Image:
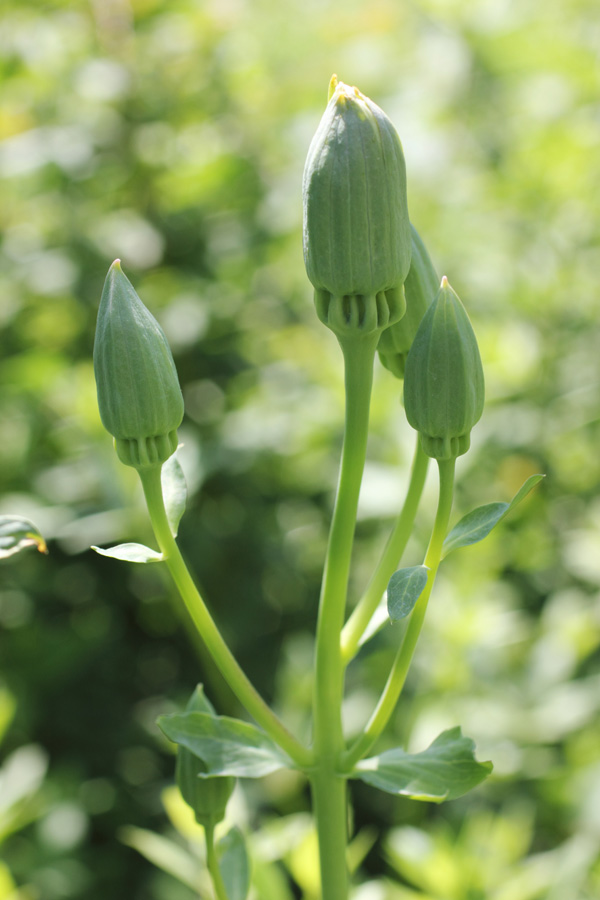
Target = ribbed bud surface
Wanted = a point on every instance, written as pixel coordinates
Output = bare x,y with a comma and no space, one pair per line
139,396
420,289
208,797
443,380
356,229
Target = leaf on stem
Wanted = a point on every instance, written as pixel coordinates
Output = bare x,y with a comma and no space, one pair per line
234,864
446,770
174,492
136,553
476,525
17,533
404,589
226,746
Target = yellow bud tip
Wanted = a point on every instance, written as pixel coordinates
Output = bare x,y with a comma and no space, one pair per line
444,283
332,86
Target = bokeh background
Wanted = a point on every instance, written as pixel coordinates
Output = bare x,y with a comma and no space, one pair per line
172,133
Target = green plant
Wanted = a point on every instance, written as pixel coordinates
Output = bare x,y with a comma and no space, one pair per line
358,244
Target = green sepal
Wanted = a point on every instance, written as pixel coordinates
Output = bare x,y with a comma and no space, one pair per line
139,397
446,770
420,289
174,491
226,746
207,796
17,533
443,381
477,524
356,229
404,589
136,553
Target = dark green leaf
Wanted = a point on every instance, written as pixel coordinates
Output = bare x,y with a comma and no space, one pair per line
136,553
404,589
226,746
476,525
17,533
234,864
174,492
446,770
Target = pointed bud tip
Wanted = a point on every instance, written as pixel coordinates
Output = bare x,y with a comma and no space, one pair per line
445,283
333,82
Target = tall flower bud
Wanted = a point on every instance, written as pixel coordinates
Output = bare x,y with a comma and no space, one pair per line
139,396
443,380
356,227
420,289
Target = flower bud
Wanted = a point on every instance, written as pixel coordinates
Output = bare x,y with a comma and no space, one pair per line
356,227
420,288
443,380
139,396
208,797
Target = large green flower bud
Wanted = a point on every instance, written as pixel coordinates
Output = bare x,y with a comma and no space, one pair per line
138,390
420,288
443,380
208,797
356,226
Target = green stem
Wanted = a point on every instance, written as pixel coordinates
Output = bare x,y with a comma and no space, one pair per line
397,677
330,790
329,793
212,863
361,616
226,662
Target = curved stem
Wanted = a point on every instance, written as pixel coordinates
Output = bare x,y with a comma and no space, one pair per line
226,662
329,789
212,863
361,616
397,676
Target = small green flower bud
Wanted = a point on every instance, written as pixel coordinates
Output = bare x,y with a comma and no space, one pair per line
138,390
443,380
356,226
208,797
420,288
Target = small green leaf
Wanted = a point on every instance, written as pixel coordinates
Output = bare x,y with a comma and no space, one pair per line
174,492
404,589
164,853
17,533
476,525
136,553
234,864
446,770
226,746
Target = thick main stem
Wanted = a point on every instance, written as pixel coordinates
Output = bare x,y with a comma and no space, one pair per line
226,662
329,789
397,676
361,616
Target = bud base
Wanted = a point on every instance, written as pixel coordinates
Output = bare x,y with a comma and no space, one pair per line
360,314
444,448
143,453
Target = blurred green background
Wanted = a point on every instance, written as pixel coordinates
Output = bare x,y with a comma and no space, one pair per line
172,133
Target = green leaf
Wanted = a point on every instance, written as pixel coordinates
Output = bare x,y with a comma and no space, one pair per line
234,864
226,746
163,853
476,525
404,589
174,492
17,533
446,770
136,553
